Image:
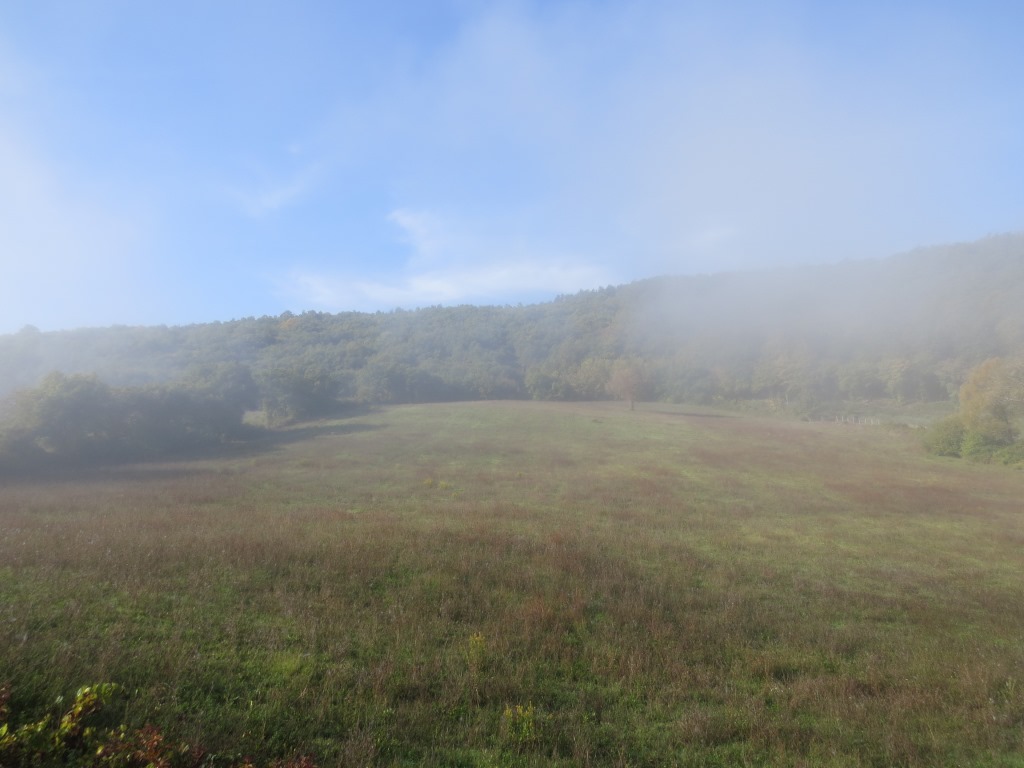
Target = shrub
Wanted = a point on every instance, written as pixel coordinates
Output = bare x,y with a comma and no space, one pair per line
1011,454
76,740
980,446
946,437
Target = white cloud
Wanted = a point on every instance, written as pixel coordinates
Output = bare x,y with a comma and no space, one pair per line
449,264
70,247
487,284
558,147
67,258
664,137
517,149
267,196
424,232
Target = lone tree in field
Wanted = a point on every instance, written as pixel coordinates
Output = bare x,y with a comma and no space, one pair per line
625,382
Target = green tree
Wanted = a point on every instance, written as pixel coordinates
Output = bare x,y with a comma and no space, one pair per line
67,416
946,437
589,379
300,391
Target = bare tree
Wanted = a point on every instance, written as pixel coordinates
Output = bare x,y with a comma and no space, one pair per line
626,381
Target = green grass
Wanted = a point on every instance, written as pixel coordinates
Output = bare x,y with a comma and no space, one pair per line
536,584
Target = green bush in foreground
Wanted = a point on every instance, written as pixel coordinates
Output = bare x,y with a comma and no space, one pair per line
78,741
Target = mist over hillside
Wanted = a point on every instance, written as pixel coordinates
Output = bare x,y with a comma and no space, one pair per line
959,300
908,327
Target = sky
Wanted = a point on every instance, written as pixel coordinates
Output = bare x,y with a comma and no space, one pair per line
204,160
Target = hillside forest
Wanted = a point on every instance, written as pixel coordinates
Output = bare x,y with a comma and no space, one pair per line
940,325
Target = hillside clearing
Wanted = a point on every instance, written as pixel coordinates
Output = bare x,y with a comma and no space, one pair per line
538,584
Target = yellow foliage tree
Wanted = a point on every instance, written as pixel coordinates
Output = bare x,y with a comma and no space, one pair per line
989,399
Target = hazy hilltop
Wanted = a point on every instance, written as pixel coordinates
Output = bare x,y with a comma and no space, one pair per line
953,301
908,327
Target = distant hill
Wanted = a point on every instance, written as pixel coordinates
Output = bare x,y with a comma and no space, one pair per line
908,327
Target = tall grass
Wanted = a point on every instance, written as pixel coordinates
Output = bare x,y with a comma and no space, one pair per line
536,584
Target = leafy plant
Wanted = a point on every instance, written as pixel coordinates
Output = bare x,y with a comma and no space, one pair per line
475,654
518,725
74,740
946,437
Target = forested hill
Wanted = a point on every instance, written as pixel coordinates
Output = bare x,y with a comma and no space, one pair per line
909,327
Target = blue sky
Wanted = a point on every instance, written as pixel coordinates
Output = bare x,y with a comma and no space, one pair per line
169,163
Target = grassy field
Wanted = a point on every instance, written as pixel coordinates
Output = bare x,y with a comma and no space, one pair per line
490,584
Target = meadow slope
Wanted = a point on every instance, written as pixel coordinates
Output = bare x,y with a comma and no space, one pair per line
516,583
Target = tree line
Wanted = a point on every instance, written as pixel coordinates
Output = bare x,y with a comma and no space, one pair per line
909,328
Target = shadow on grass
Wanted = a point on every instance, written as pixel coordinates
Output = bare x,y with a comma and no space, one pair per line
179,463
